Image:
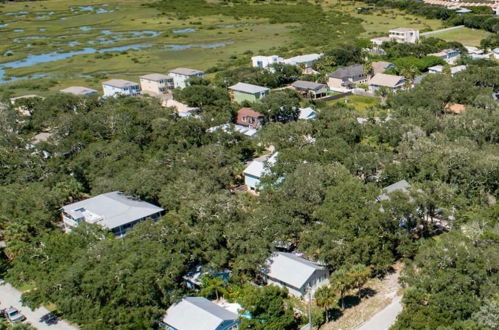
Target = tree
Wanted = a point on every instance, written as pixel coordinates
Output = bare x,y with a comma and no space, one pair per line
212,287
280,106
342,281
326,299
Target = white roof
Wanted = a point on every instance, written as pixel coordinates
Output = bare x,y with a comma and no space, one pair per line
197,313
227,128
120,83
248,88
457,69
186,71
155,76
302,59
496,50
307,113
401,29
291,269
112,209
438,68
260,166
78,90
401,185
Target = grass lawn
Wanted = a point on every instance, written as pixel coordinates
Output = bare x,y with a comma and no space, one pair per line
358,102
466,36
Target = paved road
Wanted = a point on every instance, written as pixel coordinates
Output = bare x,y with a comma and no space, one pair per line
442,30
386,318
9,296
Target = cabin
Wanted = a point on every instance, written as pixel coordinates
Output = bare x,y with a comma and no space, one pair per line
310,89
256,169
113,211
156,83
250,118
120,87
347,77
298,275
241,92
382,80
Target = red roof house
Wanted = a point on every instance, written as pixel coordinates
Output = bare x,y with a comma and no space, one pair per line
249,117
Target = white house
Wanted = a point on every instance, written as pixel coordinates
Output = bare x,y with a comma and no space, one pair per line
181,75
300,276
436,69
386,80
440,69
307,114
156,83
306,60
198,313
79,91
402,186
113,210
404,35
265,61
117,87
496,51
448,55
257,169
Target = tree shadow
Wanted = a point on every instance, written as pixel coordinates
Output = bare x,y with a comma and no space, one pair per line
335,314
353,300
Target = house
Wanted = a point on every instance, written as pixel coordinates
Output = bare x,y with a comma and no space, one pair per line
404,35
455,108
265,61
379,41
381,66
229,128
156,83
441,68
250,118
436,69
241,92
402,186
347,77
79,91
307,114
113,210
183,110
198,313
476,54
310,88
448,55
120,87
496,52
257,169
300,276
307,60
181,75
386,80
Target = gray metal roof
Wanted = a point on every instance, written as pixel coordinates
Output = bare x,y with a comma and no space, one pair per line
291,269
112,209
401,185
308,85
156,77
348,72
78,90
248,88
197,313
120,83
186,71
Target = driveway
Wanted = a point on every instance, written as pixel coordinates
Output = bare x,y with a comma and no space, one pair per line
9,296
385,318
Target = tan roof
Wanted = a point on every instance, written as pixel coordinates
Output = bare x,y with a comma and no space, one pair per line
185,71
380,66
120,83
180,107
386,80
455,108
78,90
155,76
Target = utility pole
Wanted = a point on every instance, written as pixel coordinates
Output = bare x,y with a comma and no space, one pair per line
309,293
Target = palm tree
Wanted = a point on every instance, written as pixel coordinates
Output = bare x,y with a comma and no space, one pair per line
325,298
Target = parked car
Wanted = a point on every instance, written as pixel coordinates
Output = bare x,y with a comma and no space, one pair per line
13,315
49,318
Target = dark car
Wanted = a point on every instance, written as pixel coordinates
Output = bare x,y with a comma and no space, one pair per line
49,318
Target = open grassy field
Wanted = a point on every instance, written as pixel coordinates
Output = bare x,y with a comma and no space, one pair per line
466,36
360,103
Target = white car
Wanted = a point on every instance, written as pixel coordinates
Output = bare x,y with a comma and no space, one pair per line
14,316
